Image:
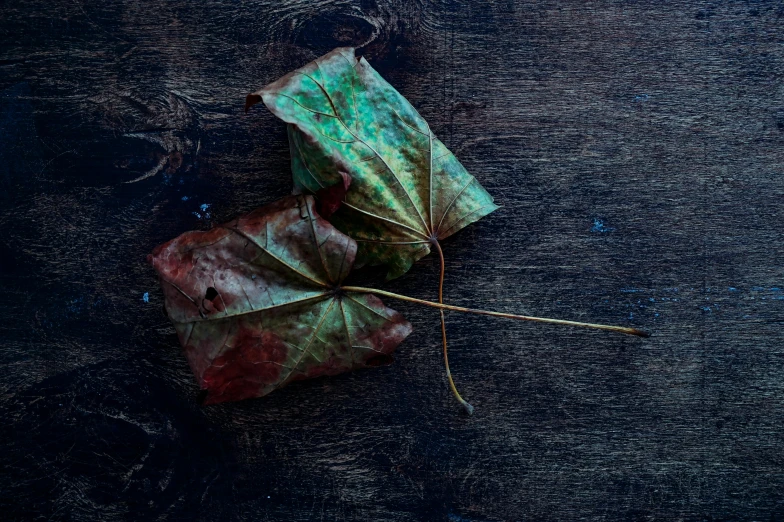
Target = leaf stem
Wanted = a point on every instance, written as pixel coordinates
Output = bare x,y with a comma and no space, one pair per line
618,329
468,408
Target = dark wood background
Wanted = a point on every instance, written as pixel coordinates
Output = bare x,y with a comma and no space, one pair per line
636,148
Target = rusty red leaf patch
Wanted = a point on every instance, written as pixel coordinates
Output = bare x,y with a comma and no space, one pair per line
256,304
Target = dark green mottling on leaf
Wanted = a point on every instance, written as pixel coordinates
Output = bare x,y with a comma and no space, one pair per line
407,187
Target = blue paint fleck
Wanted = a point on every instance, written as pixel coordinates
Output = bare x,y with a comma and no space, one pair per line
75,305
599,226
185,198
656,315
641,98
732,289
706,308
203,214
146,297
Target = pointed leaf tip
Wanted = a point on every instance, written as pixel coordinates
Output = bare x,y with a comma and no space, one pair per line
330,198
251,100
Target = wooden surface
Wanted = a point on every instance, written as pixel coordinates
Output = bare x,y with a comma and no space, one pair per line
636,148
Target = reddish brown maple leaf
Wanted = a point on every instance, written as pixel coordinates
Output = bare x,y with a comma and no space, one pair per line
256,302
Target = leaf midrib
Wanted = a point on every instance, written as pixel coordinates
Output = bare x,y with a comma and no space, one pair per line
336,115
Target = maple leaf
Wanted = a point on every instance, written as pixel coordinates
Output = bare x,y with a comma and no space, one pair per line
258,302
407,189
256,305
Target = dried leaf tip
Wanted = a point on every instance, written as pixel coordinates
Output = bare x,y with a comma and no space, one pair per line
251,100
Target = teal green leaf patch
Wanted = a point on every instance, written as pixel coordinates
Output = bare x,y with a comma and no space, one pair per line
406,187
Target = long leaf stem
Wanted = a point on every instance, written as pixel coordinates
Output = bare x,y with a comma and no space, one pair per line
618,329
468,408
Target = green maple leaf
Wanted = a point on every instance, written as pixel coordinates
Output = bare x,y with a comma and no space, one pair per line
407,190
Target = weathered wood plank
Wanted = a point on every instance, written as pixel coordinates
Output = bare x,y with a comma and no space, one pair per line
636,148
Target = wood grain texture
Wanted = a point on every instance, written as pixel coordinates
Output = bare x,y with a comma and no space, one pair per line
636,150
